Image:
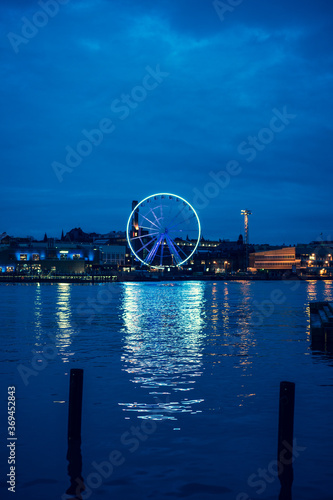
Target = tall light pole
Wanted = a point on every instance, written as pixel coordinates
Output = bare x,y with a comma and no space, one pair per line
246,214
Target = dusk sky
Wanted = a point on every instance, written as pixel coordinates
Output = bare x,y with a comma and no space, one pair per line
226,104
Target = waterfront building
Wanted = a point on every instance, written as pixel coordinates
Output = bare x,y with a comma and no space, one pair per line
279,260
47,257
113,254
316,258
221,256
309,259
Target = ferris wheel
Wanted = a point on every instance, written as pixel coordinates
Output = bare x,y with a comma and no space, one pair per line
163,230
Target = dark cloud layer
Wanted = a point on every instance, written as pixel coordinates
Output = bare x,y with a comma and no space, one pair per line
221,82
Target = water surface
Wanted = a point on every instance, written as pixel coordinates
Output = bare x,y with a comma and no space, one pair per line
181,379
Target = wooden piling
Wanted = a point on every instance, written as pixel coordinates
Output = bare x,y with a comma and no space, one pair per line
75,404
321,326
74,458
285,437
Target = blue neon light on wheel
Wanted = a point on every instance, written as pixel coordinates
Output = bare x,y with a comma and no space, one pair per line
163,230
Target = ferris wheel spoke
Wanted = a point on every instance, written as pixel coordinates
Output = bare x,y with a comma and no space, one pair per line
169,211
157,220
152,253
143,236
173,250
145,246
151,222
177,214
182,222
145,227
161,209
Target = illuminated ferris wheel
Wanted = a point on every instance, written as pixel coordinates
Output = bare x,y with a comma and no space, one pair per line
163,230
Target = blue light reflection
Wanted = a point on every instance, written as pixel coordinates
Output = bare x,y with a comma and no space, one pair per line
163,346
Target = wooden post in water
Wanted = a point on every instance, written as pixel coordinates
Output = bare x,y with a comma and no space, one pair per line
75,404
285,438
74,456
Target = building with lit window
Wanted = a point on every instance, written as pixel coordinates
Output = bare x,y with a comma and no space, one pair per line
316,258
278,261
113,254
220,256
48,257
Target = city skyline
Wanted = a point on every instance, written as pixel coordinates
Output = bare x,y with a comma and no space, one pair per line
61,235
228,107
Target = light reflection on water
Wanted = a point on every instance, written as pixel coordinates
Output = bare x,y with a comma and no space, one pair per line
322,288
168,329
163,345
321,346
182,351
165,337
234,336
312,291
328,293
63,315
38,308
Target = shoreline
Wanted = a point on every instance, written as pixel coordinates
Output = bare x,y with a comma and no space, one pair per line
91,280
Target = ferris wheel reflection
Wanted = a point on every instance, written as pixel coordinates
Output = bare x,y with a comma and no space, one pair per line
163,346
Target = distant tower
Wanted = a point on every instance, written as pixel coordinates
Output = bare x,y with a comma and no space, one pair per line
135,218
135,226
246,214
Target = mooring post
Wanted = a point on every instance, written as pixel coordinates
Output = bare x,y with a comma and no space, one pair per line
285,438
75,404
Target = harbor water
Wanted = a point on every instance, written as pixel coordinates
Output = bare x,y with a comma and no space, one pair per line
180,391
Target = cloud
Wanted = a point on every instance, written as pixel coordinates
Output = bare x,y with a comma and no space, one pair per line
224,81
